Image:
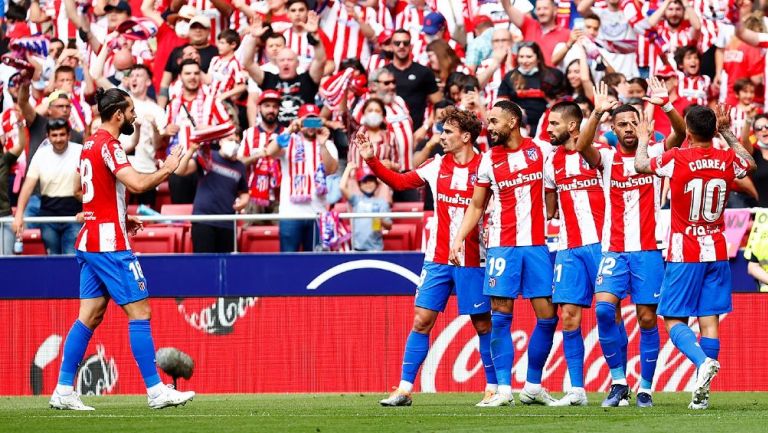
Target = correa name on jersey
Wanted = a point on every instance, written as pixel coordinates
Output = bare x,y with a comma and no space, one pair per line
706,164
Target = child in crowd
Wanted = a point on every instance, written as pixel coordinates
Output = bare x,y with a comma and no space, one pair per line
366,232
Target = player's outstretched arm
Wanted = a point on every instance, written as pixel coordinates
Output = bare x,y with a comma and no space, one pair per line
587,135
471,217
138,183
397,181
643,133
723,114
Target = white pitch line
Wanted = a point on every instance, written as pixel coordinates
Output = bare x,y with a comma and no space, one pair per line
398,415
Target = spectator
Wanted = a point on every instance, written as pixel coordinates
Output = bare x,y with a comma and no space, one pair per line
351,26
366,232
172,33
8,157
307,158
545,32
443,61
674,29
221,190
579,80
492,71
745,108
691,86
756,268
225,76
481,47
55,166
531,83
416,84
758,142
620,22
741,60
11,134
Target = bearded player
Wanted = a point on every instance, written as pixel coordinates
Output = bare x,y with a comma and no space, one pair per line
108,268
451,177
697,280
631,261
512,172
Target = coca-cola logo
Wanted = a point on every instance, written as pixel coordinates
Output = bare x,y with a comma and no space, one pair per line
674,372
218,317
97,374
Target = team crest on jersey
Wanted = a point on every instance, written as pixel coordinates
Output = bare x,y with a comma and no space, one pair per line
472,179
584,164
532,155
142,286
491,282
599,280
120,155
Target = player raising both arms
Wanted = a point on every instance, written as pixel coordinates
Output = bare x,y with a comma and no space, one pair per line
578,190
451,178
518,258
631,261
108,268
697,281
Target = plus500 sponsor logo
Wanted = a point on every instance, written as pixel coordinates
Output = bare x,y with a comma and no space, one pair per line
579,184
455,200
632,182
520,179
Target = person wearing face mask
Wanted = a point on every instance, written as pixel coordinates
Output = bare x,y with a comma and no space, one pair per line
531,83
755,136
221,189
366,232
377,132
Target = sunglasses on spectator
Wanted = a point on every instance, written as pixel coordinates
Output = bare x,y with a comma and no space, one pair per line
57,123
386,82
760,128
401,43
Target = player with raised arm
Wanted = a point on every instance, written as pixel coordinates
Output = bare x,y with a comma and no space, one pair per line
578,190
451,178
108,268
631,260
697,281
512,171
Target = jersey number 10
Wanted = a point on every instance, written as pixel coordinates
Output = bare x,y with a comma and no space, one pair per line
703,196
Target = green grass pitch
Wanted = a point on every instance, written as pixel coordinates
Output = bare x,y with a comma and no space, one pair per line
730,412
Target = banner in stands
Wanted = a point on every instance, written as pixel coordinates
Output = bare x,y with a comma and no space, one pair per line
333,344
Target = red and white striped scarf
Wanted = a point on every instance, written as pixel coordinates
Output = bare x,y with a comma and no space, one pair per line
300,170
332,90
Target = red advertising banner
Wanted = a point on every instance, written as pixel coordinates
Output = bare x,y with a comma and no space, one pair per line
334,344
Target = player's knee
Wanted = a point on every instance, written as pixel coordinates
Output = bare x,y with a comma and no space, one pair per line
571,319
422,323
604,312
482,323
647,320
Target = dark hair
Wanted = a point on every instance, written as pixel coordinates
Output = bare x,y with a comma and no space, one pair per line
64,69
466,121
569,90
701,122
351,63
640,82
443,103
742,83
381,105
231,36
581,99
624,108
568,109
186,62
684,51
760,117
592,16
56,124
111,101
613,79
511,108
290,2
275,35
143,67
402,32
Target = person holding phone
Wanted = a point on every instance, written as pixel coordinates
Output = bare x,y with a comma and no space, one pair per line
307,157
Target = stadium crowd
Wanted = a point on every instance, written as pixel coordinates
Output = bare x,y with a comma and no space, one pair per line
240,82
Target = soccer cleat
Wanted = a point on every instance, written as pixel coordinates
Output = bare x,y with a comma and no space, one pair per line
67,402
644,400
616,395
574,397
169,398
700,394
542,398
500,400
486,398
397,398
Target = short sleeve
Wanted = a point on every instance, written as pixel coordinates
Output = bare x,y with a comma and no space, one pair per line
606,157
114,156
430,168
549,174
34,167
353,200
740,166
664,164
484,171
655,149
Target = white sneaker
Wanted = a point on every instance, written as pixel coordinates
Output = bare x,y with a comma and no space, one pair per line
542,397
67,402
170,397
574,397
486,398
700,394
500,400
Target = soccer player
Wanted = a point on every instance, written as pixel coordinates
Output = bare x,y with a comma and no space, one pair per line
578,190
518,258
108,268
451,178
697,281
631,260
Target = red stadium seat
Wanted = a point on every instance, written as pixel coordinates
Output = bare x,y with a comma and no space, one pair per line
163,195
399,238
33,243
260,239
176,209
157,240
408,206
417,223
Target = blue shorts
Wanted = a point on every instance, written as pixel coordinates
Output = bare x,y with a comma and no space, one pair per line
696,289
637,273
575,274
438,281
117,275
512,271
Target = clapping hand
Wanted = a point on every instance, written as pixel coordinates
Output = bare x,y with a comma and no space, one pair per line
659,93
364,145
602,102
133,224
723,114
174,159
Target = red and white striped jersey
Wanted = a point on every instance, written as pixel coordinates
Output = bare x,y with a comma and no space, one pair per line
384,148
63,28
739,115
740,60
694,89
699,180
238,21
297,41
103,195
399,123
202,111
632,201
516,179
264,173
412,20
384,16
207,8
452,186
580,197
345,34
225,75
492,88
376,61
